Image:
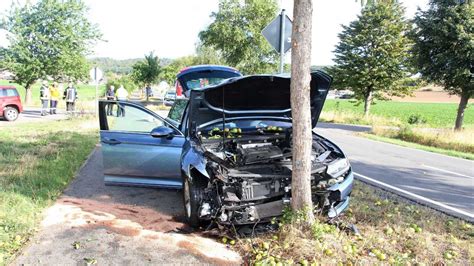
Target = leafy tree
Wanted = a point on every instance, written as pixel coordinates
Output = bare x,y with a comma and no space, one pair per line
48,39
146,72
444,48
372,55
236,33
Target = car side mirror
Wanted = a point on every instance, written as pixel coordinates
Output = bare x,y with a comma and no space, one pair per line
161,132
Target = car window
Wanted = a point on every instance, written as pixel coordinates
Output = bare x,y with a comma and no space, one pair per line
202,82
11,92
3,93
131,119
177,110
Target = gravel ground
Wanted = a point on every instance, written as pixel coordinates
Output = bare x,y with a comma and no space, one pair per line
110,225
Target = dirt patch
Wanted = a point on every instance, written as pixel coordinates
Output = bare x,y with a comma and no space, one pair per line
430,97
149,219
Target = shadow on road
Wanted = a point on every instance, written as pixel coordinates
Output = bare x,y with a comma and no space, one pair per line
353,128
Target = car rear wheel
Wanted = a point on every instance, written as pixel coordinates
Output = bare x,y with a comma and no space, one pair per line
10,113
192,197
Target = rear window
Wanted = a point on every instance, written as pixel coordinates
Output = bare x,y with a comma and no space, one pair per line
8,92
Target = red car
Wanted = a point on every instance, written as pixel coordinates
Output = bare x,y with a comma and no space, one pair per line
10,103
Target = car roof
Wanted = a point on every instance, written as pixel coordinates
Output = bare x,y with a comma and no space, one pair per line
7,87
197,68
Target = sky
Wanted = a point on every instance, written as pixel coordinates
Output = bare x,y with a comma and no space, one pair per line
170,28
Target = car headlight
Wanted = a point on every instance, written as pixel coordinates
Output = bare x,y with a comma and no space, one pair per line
338,167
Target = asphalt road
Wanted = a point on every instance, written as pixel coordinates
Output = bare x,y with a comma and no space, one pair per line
438,181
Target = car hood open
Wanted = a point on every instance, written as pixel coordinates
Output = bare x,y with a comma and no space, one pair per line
253,96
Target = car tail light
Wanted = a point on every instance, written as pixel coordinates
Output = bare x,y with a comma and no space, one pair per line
179,89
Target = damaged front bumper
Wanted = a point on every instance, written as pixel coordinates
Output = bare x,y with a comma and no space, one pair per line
342,193
334,200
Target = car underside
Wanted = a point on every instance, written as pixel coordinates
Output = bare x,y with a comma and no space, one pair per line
250,176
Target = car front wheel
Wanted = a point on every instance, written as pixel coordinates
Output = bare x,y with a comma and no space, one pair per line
192,197
10,114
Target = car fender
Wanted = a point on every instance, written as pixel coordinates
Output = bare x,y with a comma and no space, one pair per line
192,159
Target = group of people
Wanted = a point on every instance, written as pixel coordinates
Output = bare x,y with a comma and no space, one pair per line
51,94
120,95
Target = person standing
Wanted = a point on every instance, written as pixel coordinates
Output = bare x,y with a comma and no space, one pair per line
54,91
44,97
110,94
122,95
70,95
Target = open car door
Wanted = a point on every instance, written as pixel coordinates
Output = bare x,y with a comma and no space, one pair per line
139,148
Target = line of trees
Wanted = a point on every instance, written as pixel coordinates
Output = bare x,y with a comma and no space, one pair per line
379,51
48,39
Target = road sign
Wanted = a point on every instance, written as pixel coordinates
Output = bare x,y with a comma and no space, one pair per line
278,34
272,33
96,74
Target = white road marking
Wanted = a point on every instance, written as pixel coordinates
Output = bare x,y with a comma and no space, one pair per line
470,215
446,171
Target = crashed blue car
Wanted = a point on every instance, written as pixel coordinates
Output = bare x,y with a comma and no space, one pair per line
228,147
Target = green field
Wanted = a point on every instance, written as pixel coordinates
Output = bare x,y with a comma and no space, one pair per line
439,115
86,92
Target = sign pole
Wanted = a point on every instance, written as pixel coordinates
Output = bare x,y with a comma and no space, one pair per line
282,40
96,93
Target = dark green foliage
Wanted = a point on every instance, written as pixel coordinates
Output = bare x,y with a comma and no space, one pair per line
372,55
444,48
146,71
236,33
48,39
416,119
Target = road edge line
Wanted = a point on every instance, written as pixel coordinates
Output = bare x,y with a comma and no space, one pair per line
439,204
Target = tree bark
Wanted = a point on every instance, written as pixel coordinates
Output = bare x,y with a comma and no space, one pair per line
367,103
462,106
28,94
300,108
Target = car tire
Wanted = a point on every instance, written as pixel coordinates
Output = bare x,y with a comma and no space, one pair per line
192,197
10,113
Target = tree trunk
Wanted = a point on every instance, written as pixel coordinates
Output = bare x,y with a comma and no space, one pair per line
367,103
28,94
300,108
461,108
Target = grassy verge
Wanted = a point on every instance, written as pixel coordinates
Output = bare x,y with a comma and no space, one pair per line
396,141
435,115
391,231
37,161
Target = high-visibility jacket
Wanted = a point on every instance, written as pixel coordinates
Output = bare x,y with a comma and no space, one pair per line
54,93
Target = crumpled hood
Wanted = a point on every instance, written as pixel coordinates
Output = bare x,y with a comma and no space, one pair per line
254,96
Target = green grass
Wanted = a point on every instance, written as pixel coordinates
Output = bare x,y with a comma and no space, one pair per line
437,115
86,92
392,231
37,161
453,153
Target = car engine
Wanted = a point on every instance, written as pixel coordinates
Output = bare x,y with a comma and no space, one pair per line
250,175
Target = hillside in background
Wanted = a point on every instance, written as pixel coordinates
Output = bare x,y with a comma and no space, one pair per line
117,66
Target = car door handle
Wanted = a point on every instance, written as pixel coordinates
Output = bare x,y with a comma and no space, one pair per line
111,141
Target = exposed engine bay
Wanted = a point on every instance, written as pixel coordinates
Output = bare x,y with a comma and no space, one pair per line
250,174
